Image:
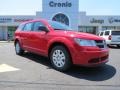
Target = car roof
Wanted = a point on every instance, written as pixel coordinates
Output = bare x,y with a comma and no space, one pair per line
35,20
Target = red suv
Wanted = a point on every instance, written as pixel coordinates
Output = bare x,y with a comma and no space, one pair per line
63,46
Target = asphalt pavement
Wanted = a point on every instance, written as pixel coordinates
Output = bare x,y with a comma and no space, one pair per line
33,72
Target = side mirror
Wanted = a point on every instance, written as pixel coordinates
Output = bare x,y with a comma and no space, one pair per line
43,28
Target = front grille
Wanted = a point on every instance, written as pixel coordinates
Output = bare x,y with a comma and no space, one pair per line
100,46
100,43
104,58
95,60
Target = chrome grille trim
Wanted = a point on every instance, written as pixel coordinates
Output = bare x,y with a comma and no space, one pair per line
101,43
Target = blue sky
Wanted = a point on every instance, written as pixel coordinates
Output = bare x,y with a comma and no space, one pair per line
29,7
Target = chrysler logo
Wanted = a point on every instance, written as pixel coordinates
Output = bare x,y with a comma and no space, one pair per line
114,20
111,20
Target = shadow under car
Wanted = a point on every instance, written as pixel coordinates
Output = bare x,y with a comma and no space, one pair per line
100,73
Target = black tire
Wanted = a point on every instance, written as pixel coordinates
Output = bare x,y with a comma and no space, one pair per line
66,58
118,46
108,45
18,49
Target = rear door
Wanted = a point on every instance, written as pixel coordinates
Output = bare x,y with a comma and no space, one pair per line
115,36
25,36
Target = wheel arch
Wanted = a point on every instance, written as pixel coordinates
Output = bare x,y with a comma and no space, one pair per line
16,40
59,44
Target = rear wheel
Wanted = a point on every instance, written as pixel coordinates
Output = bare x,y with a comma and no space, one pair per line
60,58
108,45
18,49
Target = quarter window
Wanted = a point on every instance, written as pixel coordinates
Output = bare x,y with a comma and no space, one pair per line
21,27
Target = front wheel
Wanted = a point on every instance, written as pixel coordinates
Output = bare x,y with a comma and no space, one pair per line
60,58
118,46
18,49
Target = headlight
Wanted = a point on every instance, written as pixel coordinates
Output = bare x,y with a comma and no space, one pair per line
84,42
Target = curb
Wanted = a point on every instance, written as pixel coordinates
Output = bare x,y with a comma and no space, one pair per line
6,41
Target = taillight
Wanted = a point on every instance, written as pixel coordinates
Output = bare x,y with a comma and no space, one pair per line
109,38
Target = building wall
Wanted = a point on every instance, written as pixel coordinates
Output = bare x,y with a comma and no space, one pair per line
53,7
100,22
3,33
11,21
78,21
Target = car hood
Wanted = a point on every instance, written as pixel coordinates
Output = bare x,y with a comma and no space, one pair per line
80,35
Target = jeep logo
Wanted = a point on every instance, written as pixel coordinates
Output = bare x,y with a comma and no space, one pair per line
99,21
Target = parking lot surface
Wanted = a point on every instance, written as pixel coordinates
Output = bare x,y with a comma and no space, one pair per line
33,72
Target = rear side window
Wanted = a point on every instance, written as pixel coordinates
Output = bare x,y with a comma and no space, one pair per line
107,32
28,27
21,26
115,32
101,34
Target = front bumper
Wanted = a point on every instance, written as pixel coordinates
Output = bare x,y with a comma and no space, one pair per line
90,56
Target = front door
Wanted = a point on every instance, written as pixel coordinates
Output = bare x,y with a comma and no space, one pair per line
38,38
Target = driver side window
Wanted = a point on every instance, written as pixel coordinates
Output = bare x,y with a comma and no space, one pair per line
37,25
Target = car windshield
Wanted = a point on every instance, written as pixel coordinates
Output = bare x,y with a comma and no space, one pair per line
115,32
59,26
